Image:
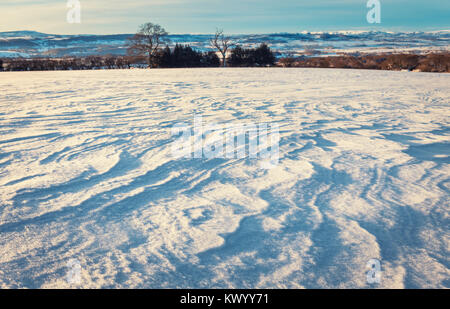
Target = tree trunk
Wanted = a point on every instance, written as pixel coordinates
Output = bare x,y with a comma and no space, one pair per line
224,60
149,61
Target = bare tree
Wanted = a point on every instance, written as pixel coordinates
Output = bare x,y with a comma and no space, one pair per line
147,41
222,44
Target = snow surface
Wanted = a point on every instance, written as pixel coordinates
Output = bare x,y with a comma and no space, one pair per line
86,173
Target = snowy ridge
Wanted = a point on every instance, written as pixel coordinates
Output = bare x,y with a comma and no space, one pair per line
86,173
30,43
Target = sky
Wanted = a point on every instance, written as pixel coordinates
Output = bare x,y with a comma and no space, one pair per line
234,16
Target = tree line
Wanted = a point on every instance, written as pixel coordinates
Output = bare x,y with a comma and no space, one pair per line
184,56
434,62
66,63
150,47
150,37
180,56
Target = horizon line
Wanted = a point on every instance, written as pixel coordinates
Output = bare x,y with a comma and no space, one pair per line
253,33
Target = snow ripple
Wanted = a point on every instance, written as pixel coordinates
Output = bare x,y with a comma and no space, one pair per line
86,173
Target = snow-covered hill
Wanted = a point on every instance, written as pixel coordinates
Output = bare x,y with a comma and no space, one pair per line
30,43
87,176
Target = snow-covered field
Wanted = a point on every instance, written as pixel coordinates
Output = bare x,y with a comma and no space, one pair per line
87,175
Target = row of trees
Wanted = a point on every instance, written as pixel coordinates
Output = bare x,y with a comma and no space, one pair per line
150,45
148,40
184,57
435,62
49,64
248,57
181,56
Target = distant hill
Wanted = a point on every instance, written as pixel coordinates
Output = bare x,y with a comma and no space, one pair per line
36,44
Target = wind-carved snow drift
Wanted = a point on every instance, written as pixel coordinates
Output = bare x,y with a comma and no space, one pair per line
87,175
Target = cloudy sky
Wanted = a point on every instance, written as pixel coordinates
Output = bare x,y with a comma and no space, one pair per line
235,16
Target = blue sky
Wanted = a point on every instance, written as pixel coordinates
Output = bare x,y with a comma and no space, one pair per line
234,16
